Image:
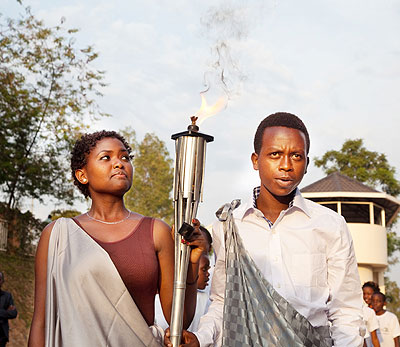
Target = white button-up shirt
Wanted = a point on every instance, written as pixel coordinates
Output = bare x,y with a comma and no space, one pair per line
308,257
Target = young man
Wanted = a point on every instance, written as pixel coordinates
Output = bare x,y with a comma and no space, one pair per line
303,249
388,322
7,311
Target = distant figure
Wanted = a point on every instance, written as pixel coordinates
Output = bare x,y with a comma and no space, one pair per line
48,219
368,289
372,336
203,296
388,322
7,311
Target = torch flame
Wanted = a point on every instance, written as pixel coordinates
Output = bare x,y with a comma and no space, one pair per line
207,111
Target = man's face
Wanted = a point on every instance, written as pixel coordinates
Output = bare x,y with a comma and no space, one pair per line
282,161
377,303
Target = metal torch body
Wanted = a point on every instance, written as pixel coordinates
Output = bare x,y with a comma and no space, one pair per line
190,151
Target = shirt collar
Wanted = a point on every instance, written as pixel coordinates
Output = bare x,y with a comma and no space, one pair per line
251,206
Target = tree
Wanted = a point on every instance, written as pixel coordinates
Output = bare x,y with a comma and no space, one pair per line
47,87
55,214
23,229
355,161
392,296
150,194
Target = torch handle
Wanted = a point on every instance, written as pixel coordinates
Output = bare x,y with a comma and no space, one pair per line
178,301
190,148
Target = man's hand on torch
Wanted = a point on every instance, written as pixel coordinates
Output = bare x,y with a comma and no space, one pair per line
188,339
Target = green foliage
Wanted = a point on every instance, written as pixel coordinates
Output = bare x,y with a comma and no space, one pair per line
355,161
393,297
150,194
393,245
129,135
47,86
23,229
55,214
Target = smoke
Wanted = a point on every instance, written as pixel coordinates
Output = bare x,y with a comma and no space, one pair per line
226,25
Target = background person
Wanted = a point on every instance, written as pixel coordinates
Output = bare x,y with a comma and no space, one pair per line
7,311
369,288
388,322
372,336
203,297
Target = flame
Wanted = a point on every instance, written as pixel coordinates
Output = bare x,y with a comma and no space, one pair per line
207,111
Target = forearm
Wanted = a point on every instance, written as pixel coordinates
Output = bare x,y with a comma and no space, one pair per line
36,334
396,341
190,294
374,339
8,314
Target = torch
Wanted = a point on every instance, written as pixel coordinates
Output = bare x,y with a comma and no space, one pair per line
190,152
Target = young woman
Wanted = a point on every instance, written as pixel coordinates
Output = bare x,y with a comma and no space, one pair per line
96,275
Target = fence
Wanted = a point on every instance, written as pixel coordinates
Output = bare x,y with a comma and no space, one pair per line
3,235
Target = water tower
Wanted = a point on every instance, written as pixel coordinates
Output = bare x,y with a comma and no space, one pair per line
367,212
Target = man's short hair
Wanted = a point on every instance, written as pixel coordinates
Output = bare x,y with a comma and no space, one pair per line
280,119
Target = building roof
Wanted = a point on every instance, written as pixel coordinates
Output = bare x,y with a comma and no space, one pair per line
337,182
338,187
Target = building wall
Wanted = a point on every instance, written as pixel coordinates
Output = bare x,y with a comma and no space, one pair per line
370,245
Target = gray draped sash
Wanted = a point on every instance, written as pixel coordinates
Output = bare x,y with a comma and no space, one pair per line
87,303
254,313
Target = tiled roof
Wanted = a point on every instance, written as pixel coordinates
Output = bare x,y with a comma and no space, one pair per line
336,182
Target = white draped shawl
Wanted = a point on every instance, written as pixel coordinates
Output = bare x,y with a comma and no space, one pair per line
87,303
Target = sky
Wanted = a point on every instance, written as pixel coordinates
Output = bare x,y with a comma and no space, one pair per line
335,64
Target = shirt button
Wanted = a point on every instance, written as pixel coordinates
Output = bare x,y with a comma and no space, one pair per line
275,259
278,285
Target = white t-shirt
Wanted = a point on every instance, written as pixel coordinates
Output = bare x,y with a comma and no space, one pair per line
389,327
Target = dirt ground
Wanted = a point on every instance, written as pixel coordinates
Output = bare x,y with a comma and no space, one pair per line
18,333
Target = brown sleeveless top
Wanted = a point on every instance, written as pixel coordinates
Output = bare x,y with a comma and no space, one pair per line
136,261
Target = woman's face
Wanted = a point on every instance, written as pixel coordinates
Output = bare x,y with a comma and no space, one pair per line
367,295
108,169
